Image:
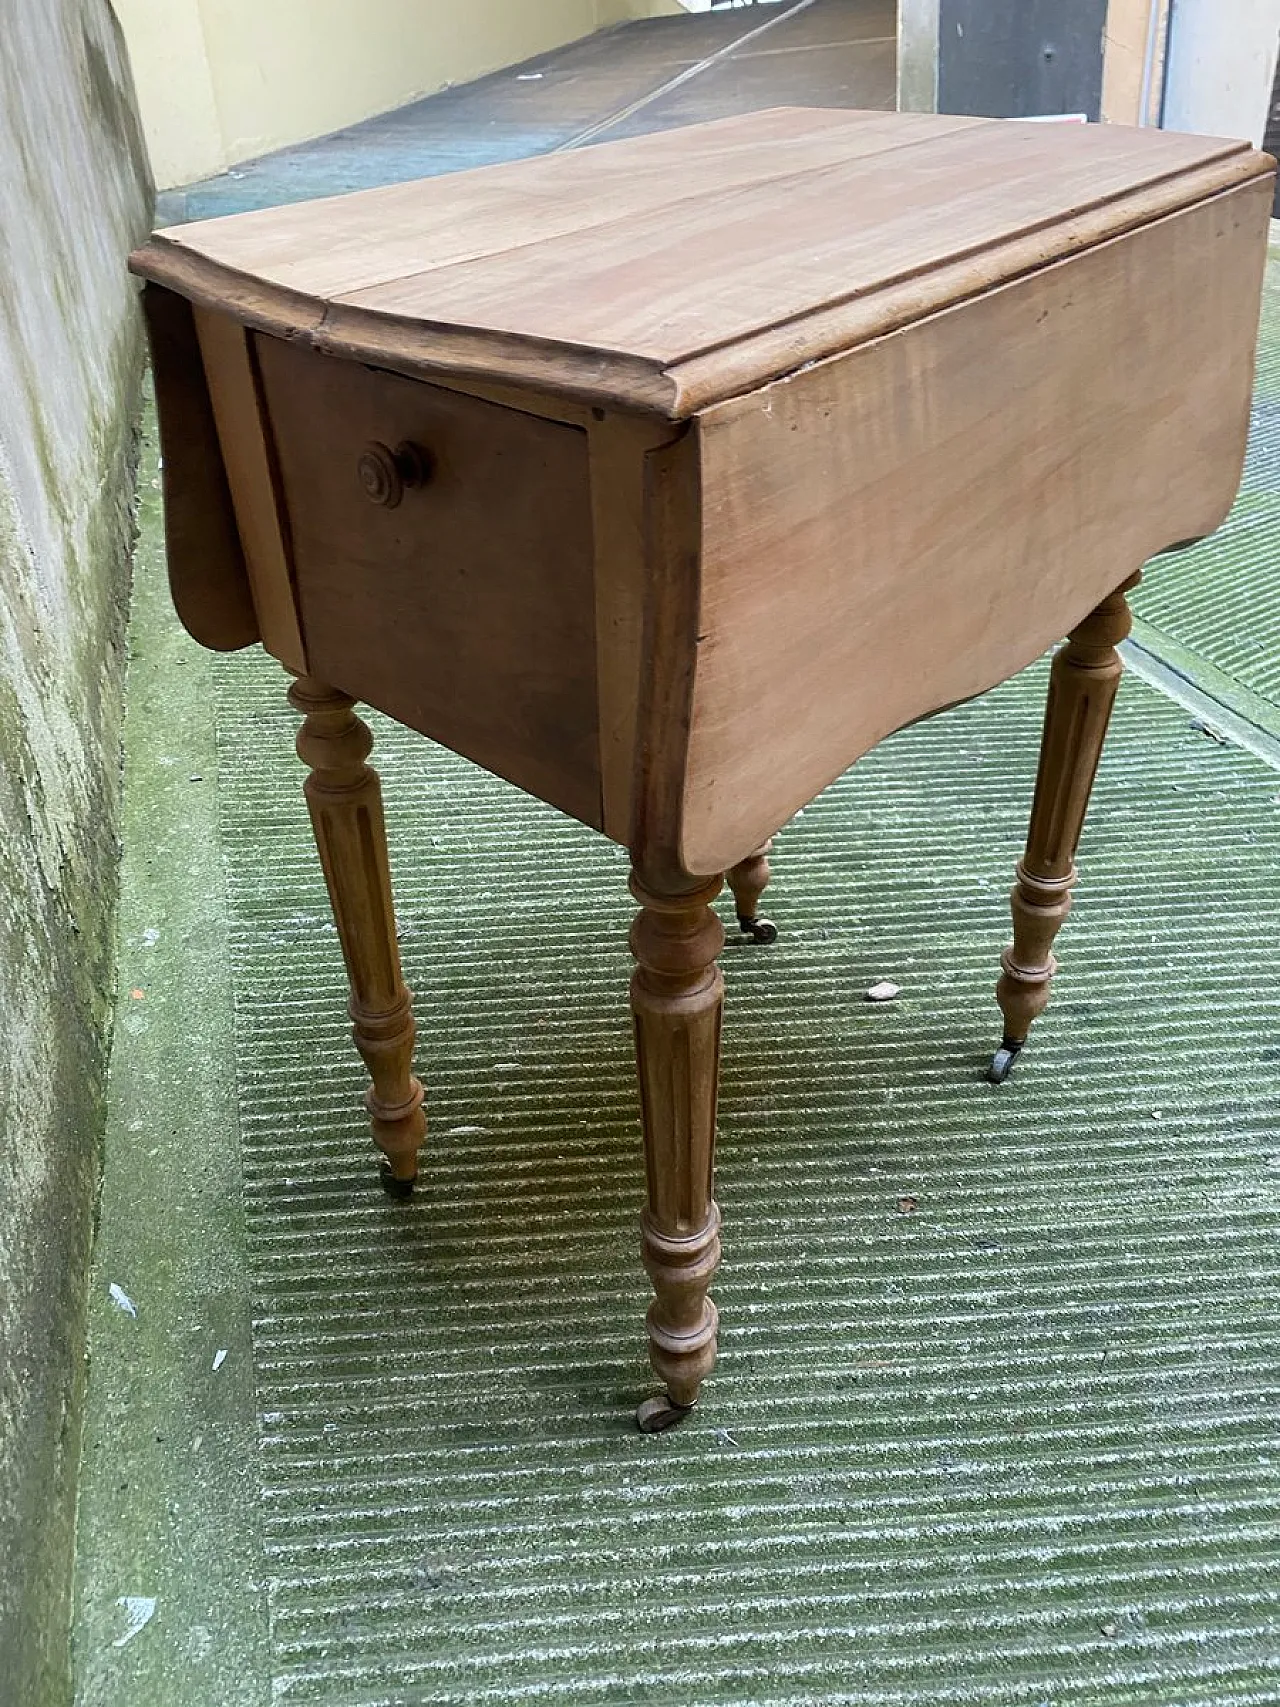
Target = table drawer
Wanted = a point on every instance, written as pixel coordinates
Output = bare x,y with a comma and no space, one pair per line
442,551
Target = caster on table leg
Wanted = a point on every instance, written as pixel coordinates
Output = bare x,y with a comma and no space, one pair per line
660,1413
759,930
393,1185
1083,679
1004,1059
344,799
748,880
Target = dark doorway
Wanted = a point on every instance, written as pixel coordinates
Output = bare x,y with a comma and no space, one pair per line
1011,59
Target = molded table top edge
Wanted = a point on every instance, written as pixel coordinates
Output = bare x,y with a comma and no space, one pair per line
934,213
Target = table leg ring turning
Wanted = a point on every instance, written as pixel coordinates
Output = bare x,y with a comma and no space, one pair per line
344,798
677,994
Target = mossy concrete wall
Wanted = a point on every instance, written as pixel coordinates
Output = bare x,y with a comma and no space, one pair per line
74,195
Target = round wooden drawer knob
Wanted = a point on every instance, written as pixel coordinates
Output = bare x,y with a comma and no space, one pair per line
385,473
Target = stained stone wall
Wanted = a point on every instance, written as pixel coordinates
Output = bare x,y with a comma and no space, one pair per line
74,195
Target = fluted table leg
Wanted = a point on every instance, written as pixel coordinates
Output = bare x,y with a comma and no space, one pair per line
677,994
1082,689
344,798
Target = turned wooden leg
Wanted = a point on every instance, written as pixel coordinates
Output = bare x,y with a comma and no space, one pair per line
1082,689
345,801
749,879
677,995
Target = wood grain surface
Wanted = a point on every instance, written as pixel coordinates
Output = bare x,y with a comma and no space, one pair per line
738,250
467,610
208,579
756,442
340,244
248,456
910,524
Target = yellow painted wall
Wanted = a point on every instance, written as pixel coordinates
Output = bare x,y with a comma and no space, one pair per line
223,80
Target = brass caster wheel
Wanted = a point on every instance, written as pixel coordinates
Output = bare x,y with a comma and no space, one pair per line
660,1413
759,930
1002,1062
401,1189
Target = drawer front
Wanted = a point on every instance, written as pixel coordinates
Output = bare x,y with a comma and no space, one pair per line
441,546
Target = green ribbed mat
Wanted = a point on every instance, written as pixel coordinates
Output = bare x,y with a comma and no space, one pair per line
995,1418
1219,603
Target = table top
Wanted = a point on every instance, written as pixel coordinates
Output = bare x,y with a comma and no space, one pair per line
673,271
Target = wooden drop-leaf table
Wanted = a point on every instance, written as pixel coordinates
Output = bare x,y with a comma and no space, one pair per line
664,478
